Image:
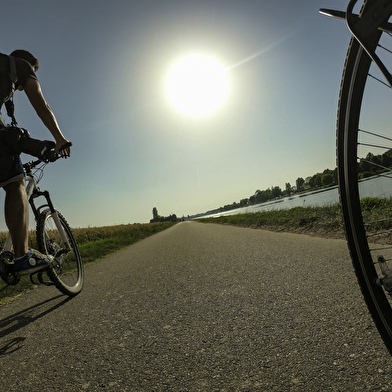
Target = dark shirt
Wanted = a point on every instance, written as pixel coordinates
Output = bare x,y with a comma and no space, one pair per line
23,71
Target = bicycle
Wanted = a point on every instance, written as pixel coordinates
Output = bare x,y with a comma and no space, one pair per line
364,141
54,237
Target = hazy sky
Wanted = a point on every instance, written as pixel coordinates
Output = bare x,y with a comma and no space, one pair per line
103,66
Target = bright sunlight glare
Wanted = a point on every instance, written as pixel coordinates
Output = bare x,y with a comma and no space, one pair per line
197,85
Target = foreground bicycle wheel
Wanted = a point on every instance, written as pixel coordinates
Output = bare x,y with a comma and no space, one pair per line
67,270
364,160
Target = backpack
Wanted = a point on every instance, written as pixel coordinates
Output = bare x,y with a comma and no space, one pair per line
9,105
18,139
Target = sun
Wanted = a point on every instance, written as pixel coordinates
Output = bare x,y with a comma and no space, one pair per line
197,85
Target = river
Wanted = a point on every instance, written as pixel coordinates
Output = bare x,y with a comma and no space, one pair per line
378,186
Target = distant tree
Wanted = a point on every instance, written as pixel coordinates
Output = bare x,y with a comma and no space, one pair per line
300,183
244,202
157,218
386,160
363,166
262,196
259,196
276,192
327,179
335,175
376,163
288,188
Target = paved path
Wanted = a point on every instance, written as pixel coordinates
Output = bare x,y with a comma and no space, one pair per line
200,307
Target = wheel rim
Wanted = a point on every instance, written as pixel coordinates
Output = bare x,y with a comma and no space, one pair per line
67,262
363,135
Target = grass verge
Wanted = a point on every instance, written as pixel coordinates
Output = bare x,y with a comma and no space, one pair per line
94,243
320,221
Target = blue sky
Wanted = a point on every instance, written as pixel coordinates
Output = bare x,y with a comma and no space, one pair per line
103,65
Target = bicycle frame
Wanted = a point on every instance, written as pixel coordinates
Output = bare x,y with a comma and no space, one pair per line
363,28
34,192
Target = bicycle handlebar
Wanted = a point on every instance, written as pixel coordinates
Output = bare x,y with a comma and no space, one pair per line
50,156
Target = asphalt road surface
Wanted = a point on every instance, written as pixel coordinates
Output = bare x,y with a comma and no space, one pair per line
200,307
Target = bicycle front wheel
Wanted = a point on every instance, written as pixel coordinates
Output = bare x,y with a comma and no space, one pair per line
364,161
66,272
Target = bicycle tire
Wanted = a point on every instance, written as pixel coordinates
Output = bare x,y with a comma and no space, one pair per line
66,272
356,86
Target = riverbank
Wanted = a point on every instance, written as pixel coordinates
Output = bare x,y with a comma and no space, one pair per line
319,221
323,221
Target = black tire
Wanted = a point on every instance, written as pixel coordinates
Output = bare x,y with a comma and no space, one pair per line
66,272
355,113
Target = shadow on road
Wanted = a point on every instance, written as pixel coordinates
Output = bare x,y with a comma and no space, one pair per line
23,318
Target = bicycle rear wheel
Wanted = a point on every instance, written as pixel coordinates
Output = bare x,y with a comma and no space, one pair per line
364,161
67,270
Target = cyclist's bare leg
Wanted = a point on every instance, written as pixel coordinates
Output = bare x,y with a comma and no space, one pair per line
16,211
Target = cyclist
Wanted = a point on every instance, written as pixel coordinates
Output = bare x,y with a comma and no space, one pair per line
11,170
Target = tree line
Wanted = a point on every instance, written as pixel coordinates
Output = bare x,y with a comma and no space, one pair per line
367,167
157,218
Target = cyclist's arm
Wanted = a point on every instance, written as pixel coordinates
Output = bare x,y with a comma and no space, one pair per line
34,93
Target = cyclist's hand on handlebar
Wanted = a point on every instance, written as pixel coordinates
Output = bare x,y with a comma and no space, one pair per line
63,148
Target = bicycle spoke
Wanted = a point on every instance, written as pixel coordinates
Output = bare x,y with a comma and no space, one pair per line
381,248
55,237
379,80
378,221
